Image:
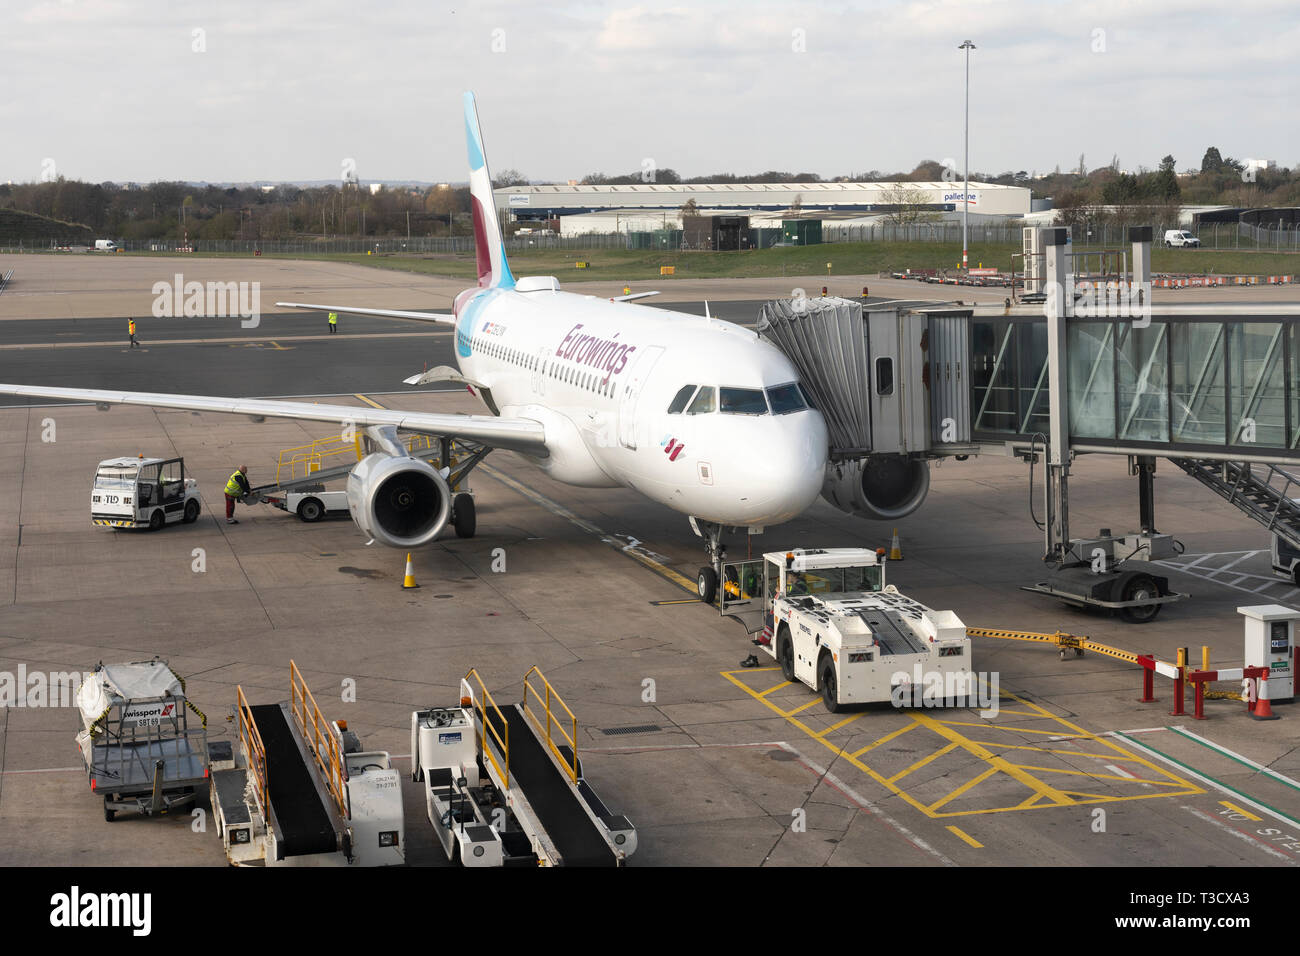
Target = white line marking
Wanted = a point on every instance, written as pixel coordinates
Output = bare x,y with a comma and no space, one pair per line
47,770
1236,756
1231,794
1120,771
1233,831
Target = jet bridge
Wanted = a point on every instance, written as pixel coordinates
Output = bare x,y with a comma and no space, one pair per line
1096,370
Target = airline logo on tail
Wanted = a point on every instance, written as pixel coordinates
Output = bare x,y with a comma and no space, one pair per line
493,269
489,249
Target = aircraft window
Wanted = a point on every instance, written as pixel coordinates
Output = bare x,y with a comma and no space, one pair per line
742,401
786,398
703,403
680,399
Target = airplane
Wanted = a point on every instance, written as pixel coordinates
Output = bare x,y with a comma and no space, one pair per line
697,414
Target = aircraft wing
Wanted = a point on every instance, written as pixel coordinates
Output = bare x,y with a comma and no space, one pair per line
514,434
442,318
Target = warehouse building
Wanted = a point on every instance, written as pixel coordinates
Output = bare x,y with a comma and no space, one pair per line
663,202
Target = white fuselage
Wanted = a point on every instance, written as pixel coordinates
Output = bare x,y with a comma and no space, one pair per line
600,377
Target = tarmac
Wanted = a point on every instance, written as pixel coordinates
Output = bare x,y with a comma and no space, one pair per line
714,763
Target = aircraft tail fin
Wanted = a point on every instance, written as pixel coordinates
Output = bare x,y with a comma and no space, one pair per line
489,248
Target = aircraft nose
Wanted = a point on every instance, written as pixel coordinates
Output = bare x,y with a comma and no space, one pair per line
792,470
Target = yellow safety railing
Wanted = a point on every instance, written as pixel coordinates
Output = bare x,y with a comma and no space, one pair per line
481,701
1060,639
319,735
303,460
552,720
253,746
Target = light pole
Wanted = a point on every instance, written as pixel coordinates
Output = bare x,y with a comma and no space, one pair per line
965,191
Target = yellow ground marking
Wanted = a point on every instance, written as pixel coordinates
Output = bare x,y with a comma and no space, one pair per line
802,707
843,723
1236,809
967,837
949,748
369,401
784,683
977,779
1101,776
885,739
1042,795
1050,750
994,761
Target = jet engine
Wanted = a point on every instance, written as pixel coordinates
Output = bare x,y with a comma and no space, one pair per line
399,502
883,487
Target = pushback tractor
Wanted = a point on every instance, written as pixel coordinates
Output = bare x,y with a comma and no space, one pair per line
832,623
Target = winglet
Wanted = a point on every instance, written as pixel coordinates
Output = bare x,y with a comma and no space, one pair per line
490,250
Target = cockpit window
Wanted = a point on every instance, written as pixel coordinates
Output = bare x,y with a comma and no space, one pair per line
786,398
703,403
680,399
742,401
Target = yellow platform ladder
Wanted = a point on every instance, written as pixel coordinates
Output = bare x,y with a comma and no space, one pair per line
550,704
251,738
303,460
481,701
320,737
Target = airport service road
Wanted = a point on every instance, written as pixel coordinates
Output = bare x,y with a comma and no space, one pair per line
722,761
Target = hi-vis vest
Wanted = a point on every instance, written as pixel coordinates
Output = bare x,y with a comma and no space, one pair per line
233,488
334,318
131,326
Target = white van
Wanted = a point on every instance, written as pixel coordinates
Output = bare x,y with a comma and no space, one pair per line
1181,237
106,245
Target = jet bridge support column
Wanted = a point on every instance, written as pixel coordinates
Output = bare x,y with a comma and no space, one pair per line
1060,301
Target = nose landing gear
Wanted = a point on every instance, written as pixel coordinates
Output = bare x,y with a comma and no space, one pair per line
706,580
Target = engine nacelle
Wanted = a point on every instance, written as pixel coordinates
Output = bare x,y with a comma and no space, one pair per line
400,502
883,487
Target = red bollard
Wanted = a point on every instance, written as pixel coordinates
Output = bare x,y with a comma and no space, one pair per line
1200,700
1148,681
1178,696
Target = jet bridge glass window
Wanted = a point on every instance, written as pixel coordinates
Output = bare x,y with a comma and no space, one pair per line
786,398
884,376
742,401
679,401
704,402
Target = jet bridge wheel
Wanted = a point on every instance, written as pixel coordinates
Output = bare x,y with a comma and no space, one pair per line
706,584
1136,590
463,517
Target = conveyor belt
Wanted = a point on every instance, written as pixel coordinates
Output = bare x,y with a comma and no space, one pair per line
302,825
551,796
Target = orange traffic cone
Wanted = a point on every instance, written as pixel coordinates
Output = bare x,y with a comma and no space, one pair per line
895,551
1263,710
409,580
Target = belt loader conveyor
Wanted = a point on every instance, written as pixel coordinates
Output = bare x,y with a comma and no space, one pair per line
499,789
302,792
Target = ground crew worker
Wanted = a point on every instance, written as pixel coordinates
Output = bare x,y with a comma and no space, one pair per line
334,322
130,328
236,488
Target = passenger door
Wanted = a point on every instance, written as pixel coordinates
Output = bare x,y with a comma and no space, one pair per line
630,393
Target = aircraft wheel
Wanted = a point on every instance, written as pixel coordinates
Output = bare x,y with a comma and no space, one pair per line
706,585
463,517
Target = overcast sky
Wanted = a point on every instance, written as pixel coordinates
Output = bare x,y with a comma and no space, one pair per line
241,90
